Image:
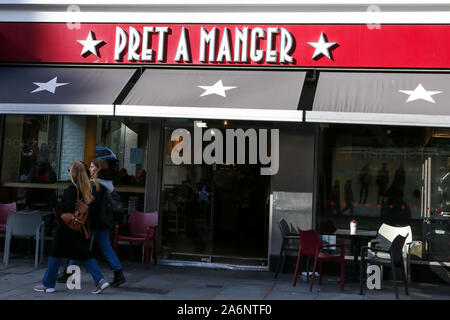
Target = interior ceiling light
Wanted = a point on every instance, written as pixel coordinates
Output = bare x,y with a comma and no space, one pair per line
200,124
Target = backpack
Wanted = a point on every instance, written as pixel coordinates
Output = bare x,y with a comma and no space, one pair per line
77,220
111,204
114,203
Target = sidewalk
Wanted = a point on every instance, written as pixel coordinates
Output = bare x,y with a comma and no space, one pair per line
191,283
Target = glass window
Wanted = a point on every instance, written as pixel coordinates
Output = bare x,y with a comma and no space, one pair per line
38,151
393,175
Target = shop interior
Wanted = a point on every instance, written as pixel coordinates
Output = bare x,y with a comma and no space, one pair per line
38,150
394,175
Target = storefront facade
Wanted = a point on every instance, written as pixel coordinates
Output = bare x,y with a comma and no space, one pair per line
350,94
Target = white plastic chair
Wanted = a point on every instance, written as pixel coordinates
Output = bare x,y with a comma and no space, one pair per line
24,225
386,234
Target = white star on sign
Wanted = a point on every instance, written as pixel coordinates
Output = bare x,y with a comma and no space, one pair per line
216,88
321,47
49,86
90,44
420,93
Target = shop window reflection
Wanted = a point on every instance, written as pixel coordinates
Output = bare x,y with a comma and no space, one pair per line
376,175
38,150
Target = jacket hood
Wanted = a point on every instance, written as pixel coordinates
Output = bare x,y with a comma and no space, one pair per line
108,184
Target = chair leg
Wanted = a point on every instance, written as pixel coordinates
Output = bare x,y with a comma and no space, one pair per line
297,267
394,278
361,273
155,255
283,262
147,255
405,278
342,274
36,250
279,261
313,274
7,248
308,268
408,267
320,272
41,256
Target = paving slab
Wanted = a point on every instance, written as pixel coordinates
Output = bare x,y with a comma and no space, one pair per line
162,282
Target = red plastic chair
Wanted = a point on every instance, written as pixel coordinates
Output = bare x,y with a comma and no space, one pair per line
142,229
5,209
311,246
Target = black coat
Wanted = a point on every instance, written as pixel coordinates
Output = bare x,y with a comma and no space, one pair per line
68,243
102,218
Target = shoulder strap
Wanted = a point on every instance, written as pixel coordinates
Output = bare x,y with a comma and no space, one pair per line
78,194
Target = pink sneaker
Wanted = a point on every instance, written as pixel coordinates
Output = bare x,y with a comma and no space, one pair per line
102,285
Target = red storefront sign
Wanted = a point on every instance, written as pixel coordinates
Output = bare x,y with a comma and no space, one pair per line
389,46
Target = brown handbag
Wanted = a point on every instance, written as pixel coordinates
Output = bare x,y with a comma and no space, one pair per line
77,220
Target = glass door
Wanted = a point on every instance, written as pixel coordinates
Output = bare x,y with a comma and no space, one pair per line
212,212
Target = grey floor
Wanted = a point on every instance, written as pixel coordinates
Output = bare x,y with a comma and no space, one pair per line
163,282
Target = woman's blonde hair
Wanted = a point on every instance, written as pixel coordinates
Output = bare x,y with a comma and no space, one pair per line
100,164
79,178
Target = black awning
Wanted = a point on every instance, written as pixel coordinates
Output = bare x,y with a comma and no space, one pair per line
382,98
216,94
56,90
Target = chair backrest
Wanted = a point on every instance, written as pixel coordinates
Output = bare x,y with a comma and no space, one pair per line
140,221
5,209
309,242
284,227
25,225
396,249
388,233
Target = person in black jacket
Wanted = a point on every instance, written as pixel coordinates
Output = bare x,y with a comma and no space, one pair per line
69,243
102,219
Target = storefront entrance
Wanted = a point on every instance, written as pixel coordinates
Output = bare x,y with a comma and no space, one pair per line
215,213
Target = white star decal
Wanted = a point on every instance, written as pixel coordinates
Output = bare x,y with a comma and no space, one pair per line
420,93
90,45
49,86
321,47
216,88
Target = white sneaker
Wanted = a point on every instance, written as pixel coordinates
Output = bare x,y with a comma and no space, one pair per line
42,288
102,285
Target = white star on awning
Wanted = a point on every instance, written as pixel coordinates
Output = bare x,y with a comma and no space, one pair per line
90,45
49,86
216,88
420,93
321,47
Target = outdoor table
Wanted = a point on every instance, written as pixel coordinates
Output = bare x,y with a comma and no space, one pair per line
356,239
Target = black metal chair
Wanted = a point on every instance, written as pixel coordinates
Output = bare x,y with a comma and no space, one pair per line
395,251
290,243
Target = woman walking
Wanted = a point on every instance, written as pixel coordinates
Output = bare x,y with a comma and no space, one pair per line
102,221
102,218
69,243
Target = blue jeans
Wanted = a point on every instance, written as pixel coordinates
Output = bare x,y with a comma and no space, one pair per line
101,237
51,273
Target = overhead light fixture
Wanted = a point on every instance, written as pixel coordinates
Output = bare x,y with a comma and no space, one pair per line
225,122
200,124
